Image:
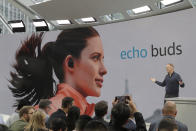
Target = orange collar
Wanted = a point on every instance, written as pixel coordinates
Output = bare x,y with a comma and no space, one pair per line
65,90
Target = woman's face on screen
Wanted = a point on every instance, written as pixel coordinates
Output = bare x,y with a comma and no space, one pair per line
89,69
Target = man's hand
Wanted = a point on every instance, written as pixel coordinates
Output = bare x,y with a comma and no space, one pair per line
153,79
180,82
114,102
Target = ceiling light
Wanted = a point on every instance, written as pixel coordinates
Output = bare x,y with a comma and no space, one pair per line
40,25
141,9
86,20
170,2
63,22
14,25
17,25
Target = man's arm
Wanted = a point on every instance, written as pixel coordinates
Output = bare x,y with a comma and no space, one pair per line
159,83
181,83
140,123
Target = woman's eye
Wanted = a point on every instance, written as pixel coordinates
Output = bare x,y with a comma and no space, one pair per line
96,58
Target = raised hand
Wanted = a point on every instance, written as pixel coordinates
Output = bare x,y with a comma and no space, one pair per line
153,79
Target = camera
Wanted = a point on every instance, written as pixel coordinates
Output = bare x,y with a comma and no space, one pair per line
122,99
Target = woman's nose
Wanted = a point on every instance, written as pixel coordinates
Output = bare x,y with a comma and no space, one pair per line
103,70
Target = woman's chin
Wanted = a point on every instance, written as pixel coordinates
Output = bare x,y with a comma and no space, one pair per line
96,94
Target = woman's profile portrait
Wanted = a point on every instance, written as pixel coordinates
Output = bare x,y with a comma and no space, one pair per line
75,59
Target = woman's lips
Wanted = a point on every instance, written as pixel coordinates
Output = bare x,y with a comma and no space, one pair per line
99,82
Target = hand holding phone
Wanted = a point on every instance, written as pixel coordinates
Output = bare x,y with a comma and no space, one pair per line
123,99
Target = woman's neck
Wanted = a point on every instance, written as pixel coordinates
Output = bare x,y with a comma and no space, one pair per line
73,85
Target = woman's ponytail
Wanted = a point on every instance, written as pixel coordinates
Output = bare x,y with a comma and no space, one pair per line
32,79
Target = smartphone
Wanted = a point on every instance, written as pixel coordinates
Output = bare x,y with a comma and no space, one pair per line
122,99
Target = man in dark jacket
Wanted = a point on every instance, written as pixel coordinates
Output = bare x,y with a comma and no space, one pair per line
167,125
67,103
171,82
101,109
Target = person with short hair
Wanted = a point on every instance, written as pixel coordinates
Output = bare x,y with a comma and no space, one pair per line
25,115
119,115
67,103
82,121
15,116
57,124
44,105
101,109
72,117
169,111
62,112
95,125
167,124
172,82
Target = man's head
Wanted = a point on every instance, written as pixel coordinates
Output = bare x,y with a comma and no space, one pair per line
120,114
67,102
82,121
101,108
58,124
170,68
73,113
169,109
44,104
26,112
95,125
167,124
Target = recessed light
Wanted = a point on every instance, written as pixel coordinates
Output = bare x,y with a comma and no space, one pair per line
141,9
63,22
170,2
86,20
17,25
40,25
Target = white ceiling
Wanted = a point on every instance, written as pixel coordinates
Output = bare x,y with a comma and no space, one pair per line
74,9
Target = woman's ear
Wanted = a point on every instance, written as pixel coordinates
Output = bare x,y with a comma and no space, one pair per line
68,63
71,63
